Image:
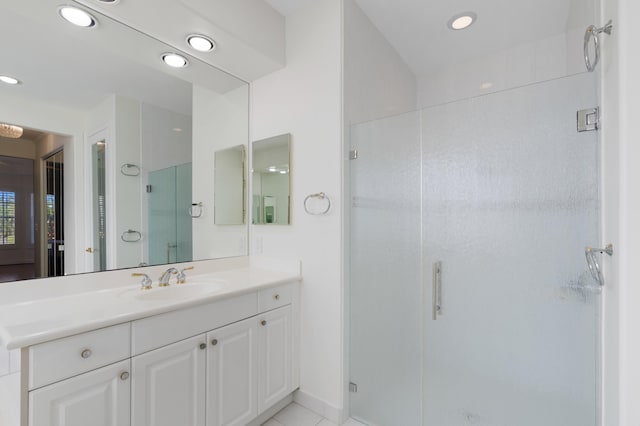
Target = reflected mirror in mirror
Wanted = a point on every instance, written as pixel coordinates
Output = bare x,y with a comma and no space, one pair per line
271,181
230,184
119,147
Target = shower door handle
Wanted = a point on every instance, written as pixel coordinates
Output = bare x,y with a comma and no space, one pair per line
437,290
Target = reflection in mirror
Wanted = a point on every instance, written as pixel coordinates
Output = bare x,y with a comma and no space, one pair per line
138,138
271,181
99,248
230,186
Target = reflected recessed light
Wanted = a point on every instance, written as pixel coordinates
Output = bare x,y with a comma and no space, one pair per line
462,20
177,129
174,60
109,1
77,16
201,43
485,86
10,131
283,172
272,169
9,80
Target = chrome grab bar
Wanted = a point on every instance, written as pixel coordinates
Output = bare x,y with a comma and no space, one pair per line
436,306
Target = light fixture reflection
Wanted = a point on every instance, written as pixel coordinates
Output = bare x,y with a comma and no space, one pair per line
9,80
462,21
201,43
10,131
174,60
78,17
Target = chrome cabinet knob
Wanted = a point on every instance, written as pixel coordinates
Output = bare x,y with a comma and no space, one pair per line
203,346
124,375
263,322
214,342
86,353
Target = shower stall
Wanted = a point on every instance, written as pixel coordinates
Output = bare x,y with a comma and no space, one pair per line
470,301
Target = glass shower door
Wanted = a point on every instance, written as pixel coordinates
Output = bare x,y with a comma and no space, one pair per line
510,200
385,295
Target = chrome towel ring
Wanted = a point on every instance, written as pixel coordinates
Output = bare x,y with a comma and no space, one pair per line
137,236
129,169
195,210
592,261
594,32
320,196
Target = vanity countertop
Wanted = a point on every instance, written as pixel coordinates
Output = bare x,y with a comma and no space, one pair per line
34,321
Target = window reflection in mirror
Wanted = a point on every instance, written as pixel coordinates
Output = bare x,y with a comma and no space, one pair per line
230,186
271,181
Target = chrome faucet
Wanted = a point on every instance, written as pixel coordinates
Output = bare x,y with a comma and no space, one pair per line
182,277
146,282
166,276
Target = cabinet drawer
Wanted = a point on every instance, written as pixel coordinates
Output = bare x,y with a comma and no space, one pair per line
59,359
275,297
161,330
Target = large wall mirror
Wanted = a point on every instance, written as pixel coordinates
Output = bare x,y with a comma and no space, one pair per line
106,153
271,181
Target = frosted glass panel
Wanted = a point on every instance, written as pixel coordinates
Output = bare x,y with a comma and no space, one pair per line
510,200
385,271
162,216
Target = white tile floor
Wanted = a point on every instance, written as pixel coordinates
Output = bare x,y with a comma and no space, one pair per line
296,415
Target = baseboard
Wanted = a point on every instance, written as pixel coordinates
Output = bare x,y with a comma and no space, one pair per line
270,412
323,408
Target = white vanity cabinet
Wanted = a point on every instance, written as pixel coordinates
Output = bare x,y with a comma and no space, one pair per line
96,398
221,363
274,363
232,376
168,385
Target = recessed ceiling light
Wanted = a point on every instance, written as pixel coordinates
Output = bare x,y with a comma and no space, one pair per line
462,20
201,43
109,1
77,16
283,172
486,85
9,80
174,60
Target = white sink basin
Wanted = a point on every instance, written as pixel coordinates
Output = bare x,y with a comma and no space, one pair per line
189,290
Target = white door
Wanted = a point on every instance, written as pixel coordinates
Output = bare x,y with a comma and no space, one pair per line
232,374
274,361
97,398
168,386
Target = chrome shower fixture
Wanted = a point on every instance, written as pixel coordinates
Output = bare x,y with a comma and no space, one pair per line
594,32
592,261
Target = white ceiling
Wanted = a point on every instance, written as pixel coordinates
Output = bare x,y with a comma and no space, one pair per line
417,28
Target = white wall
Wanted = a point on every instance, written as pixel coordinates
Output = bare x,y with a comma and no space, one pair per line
621,156
220,121
127,188
377,81
304,99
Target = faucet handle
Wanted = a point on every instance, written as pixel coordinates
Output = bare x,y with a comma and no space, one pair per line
146,282
182,277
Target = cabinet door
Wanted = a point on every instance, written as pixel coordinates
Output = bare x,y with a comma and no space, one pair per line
232,374
168,385
97,398
275,356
